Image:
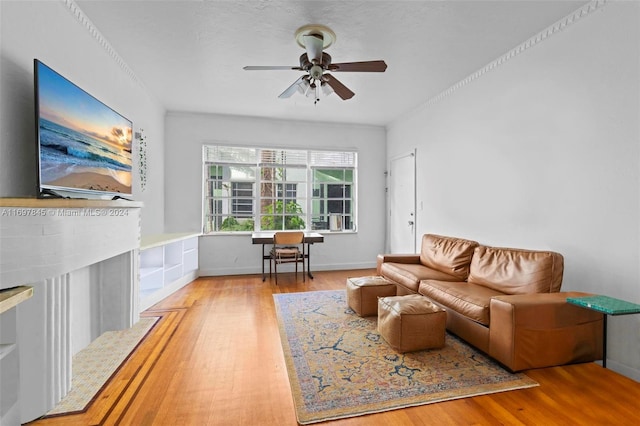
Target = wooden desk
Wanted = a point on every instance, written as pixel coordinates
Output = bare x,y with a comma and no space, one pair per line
266,237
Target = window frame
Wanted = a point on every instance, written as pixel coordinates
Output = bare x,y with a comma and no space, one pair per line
222,155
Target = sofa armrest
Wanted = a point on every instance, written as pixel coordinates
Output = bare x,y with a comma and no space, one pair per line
543,330
396,258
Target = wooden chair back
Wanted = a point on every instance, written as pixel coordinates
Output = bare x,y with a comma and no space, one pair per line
288,237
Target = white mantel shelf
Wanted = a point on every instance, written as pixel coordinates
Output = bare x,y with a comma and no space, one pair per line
44,238
67,203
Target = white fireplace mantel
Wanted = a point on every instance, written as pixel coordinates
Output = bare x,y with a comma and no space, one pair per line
42,238
81,258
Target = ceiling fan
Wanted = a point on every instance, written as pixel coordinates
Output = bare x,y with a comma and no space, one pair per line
318,67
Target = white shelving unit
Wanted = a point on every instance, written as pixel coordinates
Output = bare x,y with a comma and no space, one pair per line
167,263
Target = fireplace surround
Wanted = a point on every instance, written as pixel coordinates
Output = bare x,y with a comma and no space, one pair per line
81,259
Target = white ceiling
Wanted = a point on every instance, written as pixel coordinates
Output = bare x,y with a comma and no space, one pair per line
189,54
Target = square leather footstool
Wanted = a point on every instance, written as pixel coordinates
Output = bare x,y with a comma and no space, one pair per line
363,293
411,323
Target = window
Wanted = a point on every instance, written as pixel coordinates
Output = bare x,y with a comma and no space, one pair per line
242,198
332,189
247,189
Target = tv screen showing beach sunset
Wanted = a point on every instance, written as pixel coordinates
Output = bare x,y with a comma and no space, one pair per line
83,144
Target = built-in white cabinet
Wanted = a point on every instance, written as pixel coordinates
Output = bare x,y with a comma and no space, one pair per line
167,263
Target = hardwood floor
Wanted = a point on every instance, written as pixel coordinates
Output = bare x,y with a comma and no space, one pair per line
214,358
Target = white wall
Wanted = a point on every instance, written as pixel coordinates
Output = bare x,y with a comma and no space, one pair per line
47,30
234,254
542,152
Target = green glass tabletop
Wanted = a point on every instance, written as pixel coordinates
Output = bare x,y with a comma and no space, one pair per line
605,304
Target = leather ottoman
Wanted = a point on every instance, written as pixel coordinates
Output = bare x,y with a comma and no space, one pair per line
363,293
411,323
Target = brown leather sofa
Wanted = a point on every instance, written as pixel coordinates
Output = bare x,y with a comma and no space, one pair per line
504,301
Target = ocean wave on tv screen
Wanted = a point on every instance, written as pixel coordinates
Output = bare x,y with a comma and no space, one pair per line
59,144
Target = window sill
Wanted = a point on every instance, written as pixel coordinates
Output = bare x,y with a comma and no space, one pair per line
245,233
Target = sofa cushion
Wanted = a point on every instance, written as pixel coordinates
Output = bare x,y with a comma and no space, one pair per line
409,275
469,300
516,271
447,254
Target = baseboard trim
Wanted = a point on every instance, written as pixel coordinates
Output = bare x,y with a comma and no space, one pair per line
214,272
166,291
625,370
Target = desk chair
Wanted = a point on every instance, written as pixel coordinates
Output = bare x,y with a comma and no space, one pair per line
288,247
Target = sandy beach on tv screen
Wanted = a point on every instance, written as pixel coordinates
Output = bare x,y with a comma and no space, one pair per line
92,181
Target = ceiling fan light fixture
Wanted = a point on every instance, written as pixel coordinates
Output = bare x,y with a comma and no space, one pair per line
303,87
326,89
316,72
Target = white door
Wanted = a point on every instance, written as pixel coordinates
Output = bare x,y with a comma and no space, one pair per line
402,204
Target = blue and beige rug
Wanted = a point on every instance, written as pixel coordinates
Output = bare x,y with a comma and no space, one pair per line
339,366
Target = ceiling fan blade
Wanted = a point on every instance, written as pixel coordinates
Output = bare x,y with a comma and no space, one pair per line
293,88
366,66
267,67
340,89
313,44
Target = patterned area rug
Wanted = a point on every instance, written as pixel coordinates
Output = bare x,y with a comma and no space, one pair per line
94,365
339,366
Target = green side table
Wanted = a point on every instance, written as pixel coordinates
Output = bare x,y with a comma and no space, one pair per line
608,306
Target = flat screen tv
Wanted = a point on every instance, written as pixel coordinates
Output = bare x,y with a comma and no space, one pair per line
83,146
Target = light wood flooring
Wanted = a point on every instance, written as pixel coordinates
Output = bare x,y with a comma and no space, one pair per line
215,358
